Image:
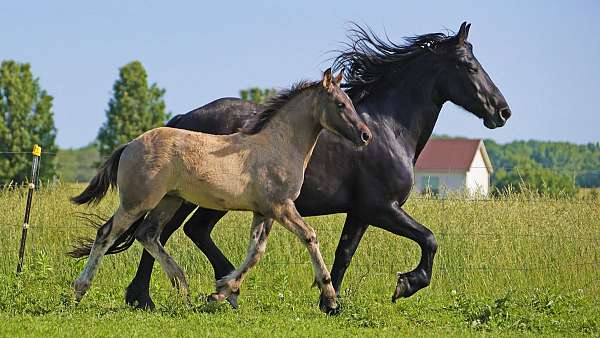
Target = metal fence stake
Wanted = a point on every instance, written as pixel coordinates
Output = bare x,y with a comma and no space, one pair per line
35,166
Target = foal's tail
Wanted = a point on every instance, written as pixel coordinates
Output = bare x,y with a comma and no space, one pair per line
104,179
83,245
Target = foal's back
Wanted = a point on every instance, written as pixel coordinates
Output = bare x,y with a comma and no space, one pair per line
209,170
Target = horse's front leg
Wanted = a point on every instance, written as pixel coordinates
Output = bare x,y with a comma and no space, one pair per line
395,220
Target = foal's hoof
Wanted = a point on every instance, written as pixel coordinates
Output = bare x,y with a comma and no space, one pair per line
80,288
79,296
326,307
215,298
232,299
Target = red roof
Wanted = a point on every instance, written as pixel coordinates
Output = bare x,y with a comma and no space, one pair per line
450,154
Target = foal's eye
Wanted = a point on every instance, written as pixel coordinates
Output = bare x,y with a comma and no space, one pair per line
339,104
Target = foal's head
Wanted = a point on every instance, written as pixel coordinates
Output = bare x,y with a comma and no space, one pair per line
337,113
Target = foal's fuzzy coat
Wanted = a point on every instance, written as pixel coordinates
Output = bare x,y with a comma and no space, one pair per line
261,170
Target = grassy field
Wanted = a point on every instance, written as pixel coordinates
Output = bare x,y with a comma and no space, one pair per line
508,266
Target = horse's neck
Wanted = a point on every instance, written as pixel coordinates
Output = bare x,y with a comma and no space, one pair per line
296,127
413,104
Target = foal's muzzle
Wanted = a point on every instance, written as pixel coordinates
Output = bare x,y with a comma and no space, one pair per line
365,135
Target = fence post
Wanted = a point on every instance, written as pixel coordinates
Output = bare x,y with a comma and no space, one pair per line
35,166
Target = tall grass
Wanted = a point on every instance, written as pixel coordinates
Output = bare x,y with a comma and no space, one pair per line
517,261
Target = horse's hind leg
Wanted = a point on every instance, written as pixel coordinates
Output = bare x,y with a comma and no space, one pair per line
149,232
289,217
230,284
105,237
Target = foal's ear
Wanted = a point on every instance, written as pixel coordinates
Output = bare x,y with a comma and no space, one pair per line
327,78
338,78
463,32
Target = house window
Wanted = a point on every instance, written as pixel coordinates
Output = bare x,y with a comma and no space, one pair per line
431,184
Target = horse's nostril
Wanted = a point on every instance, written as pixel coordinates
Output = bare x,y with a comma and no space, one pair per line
365,137
505,113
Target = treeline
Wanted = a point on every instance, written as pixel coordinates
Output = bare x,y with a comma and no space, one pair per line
552,167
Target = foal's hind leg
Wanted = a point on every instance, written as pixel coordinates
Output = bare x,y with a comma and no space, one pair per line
148,234
289,217
105,237
259,233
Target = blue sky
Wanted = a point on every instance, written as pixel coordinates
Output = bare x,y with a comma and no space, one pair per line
544,56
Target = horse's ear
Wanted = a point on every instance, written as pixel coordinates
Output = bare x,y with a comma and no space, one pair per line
327,78
338,78
463,32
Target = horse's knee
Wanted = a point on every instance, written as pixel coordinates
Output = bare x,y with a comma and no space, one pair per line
195,232
430,243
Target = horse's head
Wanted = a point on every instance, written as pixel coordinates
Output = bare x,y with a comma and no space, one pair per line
337,112
466,83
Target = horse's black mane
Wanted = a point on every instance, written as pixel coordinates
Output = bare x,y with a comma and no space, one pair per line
369,59
258,121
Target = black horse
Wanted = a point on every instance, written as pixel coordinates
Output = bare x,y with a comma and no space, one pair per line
399,91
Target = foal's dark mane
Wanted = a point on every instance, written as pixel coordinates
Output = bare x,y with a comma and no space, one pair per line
368,59
260,120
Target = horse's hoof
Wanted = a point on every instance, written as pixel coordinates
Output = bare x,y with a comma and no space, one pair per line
401,288
139,299
232,299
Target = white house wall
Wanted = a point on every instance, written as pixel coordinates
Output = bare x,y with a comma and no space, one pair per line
478,177
449,181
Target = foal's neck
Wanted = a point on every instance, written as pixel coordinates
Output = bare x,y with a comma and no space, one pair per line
295,127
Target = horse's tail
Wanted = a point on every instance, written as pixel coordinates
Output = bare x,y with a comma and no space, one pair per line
83,247
104,179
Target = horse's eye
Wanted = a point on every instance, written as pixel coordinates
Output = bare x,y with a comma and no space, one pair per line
470,68
339,104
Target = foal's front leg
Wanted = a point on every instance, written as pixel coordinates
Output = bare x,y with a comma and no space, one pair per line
259,233
289,217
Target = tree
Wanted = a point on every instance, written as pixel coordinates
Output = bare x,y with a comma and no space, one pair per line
527,165
26,118
77,165
257,95
134,108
